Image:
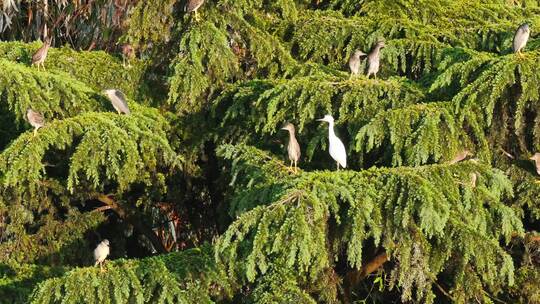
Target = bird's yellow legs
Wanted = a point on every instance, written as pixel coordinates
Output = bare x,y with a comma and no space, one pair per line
197,18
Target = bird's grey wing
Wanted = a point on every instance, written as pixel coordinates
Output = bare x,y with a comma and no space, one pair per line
121,101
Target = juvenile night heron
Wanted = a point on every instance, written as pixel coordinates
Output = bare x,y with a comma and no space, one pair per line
118,100
35,119
354,62
374,58
40,55
192,6
101,252
293,149
336,147
460,156
127,53
520,38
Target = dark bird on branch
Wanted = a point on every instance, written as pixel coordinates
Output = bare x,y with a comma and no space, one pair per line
35,119
520,38
293,149
374,58
118,100
41,54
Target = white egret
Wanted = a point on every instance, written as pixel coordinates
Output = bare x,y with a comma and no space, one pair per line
336,147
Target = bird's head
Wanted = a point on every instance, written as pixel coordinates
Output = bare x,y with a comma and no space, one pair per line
535,157
359,53
525,27
289,127
107,92
48,41
105,242
328,118
380,44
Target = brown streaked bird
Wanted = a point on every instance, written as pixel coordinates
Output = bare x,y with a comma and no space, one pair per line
536,159
293,148
192,6
35,119
40,55
460,156
127,53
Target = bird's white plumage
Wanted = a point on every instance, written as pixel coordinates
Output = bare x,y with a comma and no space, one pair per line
101,252
336,146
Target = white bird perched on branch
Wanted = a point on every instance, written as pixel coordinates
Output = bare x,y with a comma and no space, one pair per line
101,252
336,147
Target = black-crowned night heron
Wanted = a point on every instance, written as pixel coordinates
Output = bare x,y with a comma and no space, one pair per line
536,159
293,149
374,58
520,38
35,119
354,62
101,252
40,55
118,100
336,147
192,6
460,156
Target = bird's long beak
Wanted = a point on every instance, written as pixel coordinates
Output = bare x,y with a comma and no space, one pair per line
284,129
321,119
